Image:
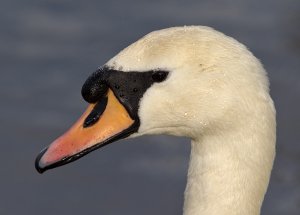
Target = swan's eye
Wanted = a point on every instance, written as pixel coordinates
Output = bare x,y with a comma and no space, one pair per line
159,76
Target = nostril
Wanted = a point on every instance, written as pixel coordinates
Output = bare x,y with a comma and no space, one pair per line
96,113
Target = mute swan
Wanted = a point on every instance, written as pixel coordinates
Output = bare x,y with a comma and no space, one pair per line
185,81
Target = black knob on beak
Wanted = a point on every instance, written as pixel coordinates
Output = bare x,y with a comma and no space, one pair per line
95,87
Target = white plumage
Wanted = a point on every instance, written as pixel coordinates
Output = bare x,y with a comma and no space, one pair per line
217,93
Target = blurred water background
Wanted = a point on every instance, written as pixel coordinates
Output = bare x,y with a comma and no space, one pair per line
47,50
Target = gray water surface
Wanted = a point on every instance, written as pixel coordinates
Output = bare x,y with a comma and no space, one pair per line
47,50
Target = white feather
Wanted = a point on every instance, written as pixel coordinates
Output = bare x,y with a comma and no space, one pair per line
217,93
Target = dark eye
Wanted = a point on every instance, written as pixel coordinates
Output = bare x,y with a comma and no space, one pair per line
159,76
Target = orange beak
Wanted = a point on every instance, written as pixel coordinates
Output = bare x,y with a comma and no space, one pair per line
113,124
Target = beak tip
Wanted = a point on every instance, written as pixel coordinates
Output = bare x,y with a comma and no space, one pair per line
39,166
39,169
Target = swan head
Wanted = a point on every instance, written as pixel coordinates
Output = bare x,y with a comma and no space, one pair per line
183,81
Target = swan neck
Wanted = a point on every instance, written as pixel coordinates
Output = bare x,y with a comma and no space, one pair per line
229,173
